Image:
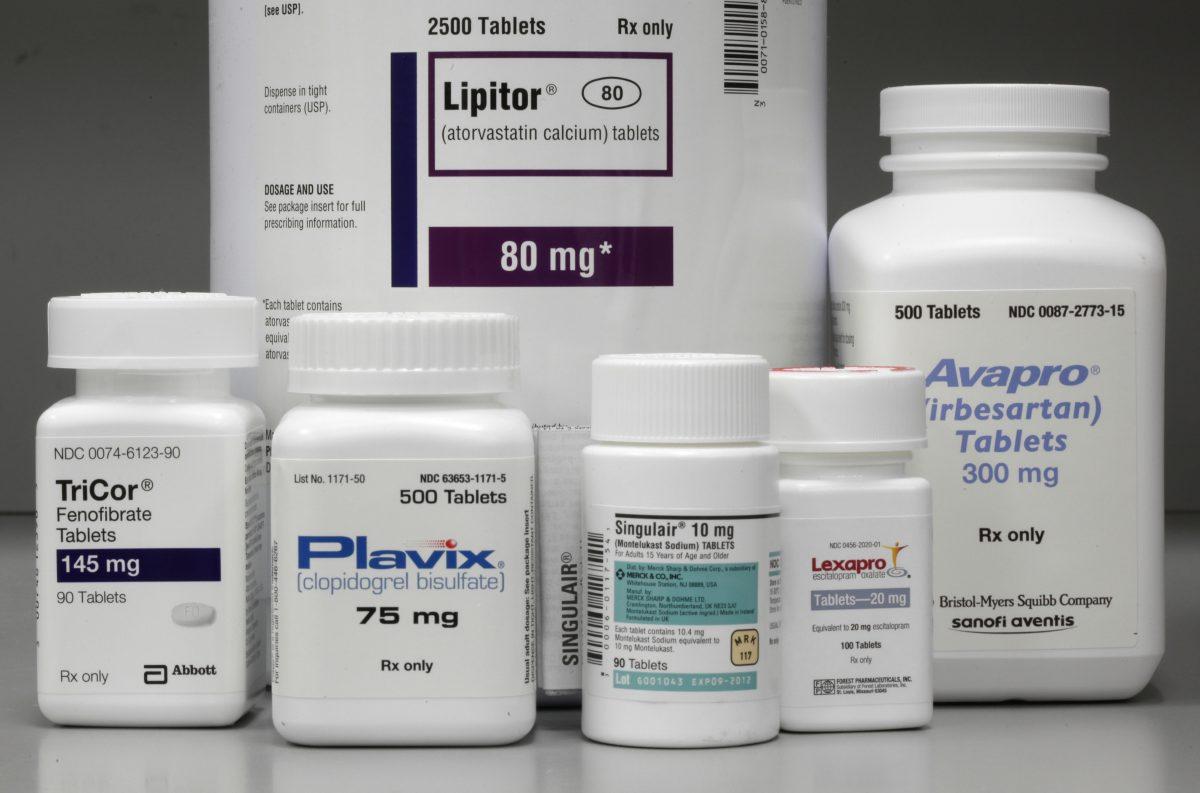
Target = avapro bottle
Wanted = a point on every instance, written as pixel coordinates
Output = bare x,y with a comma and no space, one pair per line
1035,307
403,534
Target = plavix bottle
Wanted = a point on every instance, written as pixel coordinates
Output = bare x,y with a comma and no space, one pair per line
403,534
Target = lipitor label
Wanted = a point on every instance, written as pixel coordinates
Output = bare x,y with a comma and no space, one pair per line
603,171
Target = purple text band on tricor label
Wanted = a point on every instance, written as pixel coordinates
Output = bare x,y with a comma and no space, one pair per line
551,256
101,565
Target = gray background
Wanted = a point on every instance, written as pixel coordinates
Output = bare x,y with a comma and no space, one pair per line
104,153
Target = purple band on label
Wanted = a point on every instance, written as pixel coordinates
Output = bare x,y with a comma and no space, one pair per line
551,256
97,565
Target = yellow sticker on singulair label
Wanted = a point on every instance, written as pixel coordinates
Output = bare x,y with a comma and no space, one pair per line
743,650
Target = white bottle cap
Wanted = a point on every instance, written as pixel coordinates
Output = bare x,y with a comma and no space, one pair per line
403,354
993,107
856,409
679,398
151,330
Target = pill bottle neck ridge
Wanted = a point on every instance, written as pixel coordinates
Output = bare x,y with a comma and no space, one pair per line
1014,160
199,383
843,465
476,400
677,444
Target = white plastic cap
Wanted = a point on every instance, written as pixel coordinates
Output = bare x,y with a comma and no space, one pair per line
403,354
151,330
679,398
993,107
856,409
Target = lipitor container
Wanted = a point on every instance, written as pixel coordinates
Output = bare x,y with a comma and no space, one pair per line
638,175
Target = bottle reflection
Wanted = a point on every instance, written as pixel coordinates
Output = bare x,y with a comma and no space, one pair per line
614,768
1003,747
298,769
897,760
1104,746
83,760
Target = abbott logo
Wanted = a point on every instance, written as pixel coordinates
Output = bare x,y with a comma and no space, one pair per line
154,674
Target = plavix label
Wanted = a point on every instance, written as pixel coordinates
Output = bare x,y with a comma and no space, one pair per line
404,574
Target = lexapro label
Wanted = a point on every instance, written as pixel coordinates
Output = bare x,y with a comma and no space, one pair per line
681,605
1029,403
859,613
437,562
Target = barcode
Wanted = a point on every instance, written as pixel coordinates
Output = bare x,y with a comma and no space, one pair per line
595,597
741,47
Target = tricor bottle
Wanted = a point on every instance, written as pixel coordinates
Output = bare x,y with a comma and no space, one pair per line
152,508
857,556
403,534
1035,306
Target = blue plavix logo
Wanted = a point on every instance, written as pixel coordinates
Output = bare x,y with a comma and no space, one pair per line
1011,378
337,547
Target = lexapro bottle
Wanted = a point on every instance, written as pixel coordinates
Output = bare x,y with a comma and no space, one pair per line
1035,306
403,534
151,505
857,555
681,501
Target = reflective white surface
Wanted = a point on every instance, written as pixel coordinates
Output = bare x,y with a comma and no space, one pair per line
1147,745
